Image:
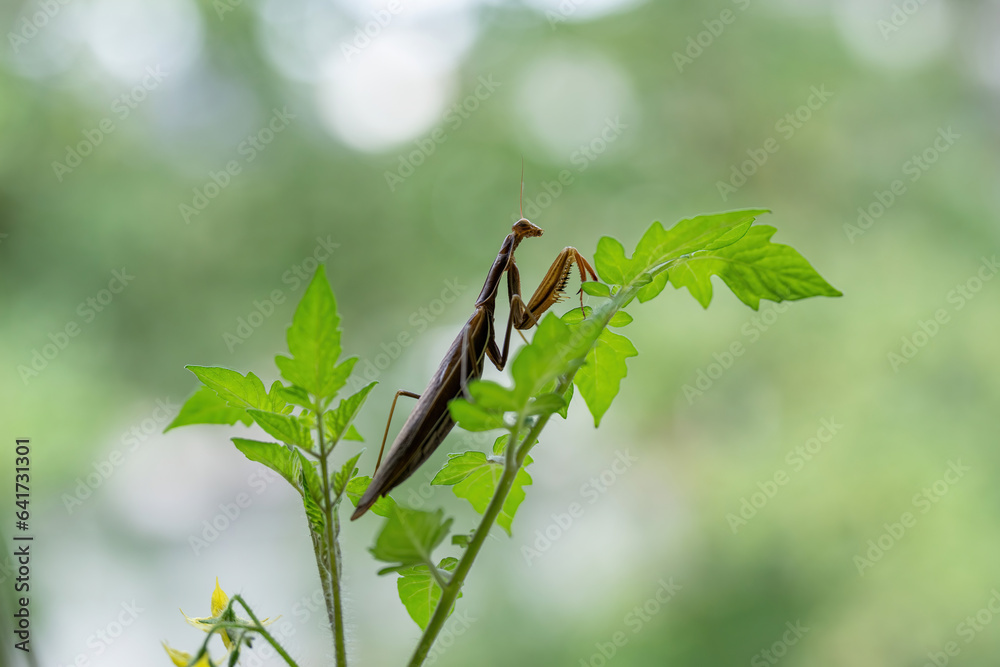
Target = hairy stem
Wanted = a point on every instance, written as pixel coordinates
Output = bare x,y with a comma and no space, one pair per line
331,550
263,631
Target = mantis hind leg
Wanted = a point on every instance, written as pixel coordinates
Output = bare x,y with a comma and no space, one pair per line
401,392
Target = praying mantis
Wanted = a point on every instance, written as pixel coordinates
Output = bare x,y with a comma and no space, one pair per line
430,422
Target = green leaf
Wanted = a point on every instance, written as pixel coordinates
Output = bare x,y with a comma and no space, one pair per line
314,342
290,463
653,288
493,396
545,404
341,478
314,513
474,417
237,390
599,379
357,487
754,269
474,477
610,262
596,289
462,540
314,483
620,319
702,232
566,399
410,536
286,428
278,458
297,396
352,434
545,358
338,420
206,407
419,591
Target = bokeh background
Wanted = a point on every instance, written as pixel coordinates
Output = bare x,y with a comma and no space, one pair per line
643,109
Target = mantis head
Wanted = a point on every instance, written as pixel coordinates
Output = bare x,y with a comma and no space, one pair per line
524,229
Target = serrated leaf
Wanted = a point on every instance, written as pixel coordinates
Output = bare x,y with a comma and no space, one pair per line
278,458
410,536
352,434
239,391
461,540
596,289
312,476
419,591
599,379
339,419
474,477
702,232
297,396
342,477
357,487
314,513
286,428
474,417
314,342
754,269
205,406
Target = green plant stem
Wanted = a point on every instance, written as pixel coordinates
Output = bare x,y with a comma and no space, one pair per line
263,631
512,465
331,564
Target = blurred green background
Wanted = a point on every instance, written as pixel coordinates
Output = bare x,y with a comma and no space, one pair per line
118,120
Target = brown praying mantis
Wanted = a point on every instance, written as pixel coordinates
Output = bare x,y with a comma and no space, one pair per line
430,422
